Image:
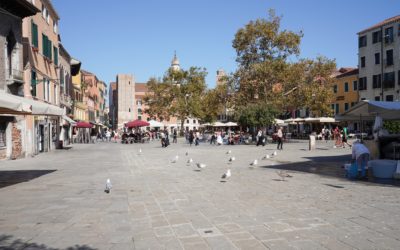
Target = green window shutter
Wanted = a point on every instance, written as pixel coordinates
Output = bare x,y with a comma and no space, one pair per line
50,50
44,44
55,56
34,35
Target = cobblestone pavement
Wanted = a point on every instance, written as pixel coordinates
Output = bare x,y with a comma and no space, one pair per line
57,200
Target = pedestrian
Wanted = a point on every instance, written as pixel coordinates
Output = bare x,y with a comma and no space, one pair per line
345,137
280,138
162,136
191,137
219,139
212,140
175,136
260,138
108,135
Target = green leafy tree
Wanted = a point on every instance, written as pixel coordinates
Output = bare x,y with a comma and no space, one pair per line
266,75
180,94
256,115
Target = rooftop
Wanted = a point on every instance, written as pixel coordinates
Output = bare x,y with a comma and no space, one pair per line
384,22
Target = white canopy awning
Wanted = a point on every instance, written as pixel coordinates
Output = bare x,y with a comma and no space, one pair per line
231,124
367,110
278,121
72,122
218,124
155,124
41,108
11,104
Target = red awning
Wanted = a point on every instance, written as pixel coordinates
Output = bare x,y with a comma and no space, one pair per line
136,123
84,125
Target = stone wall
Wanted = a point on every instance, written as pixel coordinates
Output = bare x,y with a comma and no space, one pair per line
16,142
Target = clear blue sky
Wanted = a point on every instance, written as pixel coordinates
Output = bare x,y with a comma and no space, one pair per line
139,37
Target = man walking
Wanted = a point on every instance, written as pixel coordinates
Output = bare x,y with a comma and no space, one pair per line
280,138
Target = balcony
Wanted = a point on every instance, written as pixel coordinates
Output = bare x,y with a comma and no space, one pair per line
66,100
16,76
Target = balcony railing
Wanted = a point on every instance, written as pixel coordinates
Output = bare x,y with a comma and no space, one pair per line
16,76
66,100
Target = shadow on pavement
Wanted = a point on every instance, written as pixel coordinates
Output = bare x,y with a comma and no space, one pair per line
11,177
329,166
8,243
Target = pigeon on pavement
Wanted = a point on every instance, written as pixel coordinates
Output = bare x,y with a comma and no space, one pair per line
227,174
108,186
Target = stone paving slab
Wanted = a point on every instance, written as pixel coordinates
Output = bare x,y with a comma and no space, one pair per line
57,200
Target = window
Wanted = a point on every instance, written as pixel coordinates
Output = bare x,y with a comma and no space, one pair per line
377,98
388,80
55,27
3,127
353,103
194,121
44,11
377,58
389,57
35,39
389,35
55,56
139,111
48,90
33,83
139,118
346,87
362,99
362,41
355,85
46,46
187,121
334,88
55,94
337,108
398,77
377,37
389,98
362,83
376,81
333,106
346,106
362,61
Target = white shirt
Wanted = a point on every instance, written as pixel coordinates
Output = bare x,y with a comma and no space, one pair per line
358,149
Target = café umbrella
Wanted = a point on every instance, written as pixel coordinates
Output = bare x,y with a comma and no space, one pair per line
136,124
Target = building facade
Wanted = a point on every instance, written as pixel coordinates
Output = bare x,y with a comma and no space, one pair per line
112,102
13,130
345,90
378,58
80,110
125,109
41,62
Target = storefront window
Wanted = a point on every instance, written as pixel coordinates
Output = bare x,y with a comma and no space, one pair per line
3,126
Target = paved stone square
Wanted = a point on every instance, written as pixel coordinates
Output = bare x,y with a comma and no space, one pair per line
57,200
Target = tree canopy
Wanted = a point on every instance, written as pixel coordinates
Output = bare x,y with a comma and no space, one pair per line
266,73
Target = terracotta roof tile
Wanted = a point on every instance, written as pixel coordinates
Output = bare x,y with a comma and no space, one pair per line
354,71
384,22
141,87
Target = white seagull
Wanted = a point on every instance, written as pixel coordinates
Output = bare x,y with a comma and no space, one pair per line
283,174
201,165
140,151
175,159
227,174
232,159
187,153
189,162
275,153
265,157
108,186
254,163
229,152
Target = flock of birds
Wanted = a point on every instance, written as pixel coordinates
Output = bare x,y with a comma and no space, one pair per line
281,173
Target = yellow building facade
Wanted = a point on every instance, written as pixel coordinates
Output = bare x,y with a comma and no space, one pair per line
79,107
345,90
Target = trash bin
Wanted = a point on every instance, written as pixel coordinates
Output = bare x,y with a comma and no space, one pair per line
60,144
